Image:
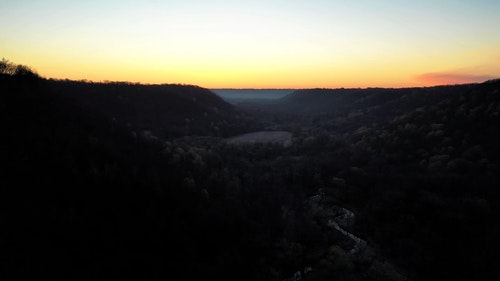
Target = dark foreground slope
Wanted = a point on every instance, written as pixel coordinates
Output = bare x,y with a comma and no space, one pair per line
420,167
388,186
83,198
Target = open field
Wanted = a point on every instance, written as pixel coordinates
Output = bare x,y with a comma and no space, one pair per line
281,137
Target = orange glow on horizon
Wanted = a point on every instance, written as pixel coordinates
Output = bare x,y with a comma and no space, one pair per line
256,44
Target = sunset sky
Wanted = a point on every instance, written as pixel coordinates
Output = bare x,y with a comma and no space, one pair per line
256,44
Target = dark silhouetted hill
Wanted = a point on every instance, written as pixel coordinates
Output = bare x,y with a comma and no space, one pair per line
163,110
117,181
381,101
84,197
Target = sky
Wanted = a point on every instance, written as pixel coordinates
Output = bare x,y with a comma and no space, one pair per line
256,44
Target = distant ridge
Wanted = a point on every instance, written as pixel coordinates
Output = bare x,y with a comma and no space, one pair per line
492,81
328,100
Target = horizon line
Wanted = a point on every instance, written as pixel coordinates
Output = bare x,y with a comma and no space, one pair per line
105,81
356,88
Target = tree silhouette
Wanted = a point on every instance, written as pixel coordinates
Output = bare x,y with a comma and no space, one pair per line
6,67
12,69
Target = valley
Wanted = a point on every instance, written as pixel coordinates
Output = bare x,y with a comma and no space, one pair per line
127,181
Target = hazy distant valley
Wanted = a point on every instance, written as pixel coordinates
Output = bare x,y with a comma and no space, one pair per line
151,182
236,96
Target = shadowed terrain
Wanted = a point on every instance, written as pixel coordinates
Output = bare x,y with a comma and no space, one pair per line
278,137
105,181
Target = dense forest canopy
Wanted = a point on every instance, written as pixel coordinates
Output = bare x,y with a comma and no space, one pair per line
127,181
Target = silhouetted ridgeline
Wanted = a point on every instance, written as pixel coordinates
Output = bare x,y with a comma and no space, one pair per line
164,110
378,103
106,181
84,198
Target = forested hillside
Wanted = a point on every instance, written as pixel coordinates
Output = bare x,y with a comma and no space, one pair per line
418,166
85,196
105,181
163,110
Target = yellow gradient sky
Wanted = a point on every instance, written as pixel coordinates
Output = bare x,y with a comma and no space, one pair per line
256,44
